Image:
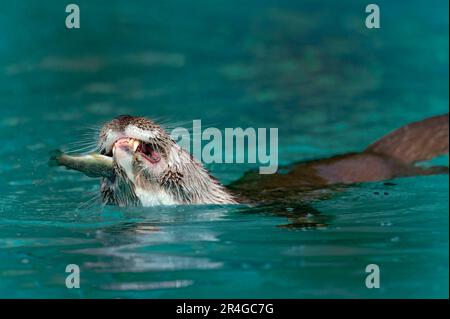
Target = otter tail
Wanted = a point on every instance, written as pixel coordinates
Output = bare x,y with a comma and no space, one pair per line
415,142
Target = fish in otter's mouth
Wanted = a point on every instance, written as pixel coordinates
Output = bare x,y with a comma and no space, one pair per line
141,165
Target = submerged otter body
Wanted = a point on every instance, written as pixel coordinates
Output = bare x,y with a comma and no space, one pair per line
148,168
394,155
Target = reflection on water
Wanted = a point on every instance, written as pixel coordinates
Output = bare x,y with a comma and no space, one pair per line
186,251
308,68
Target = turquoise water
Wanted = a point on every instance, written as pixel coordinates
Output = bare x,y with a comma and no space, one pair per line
309,68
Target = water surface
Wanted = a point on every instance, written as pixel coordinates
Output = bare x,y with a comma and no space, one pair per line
309,68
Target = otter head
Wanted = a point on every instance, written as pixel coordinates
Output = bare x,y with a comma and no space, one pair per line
150,168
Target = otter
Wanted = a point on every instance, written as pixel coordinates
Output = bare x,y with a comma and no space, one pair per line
152,169
141,165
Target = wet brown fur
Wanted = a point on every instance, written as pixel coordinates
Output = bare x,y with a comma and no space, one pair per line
392,156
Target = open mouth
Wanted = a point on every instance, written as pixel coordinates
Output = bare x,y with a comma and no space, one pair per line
146,150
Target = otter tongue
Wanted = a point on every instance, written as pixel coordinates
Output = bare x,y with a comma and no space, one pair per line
154,157
150,153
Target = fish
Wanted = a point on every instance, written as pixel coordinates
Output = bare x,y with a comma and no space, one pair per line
93,164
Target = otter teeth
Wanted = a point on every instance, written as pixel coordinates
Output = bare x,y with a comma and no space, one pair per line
135,145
